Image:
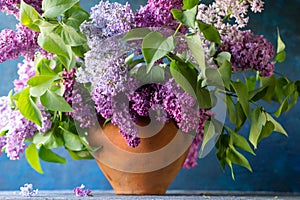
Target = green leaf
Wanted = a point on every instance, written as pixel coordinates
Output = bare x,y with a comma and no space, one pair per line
195,45
251,83
185,75
40,84
75,16
283,107
56,8
206,100
80,50
136,34
156,74
187,17
229,163
54,102
280,89
209,133
177,14
281,54
42,66
210,32
231,109
225,68
237,158
242,92
70,61
28,16
80,155
50,140
240,116
28,108
258,94
188,4
213,77
266,131
222,144
240,142
256,126
32,158
278,128
297,84
46,27
71,37
72,141
270,83
155,46
50,156
53,43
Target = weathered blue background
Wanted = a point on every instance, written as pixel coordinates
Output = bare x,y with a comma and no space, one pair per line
277,163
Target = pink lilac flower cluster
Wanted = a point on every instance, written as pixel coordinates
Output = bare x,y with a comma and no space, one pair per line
12,6
13,44
180,107
157,13
112,83
26,70
83,111
19,129
80,191
68,83
249,51
78,98
28,191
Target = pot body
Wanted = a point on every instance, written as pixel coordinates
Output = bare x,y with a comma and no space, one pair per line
148,168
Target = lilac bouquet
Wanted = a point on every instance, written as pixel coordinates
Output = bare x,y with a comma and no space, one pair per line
172,60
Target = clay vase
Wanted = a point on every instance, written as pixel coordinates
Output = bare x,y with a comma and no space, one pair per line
147,169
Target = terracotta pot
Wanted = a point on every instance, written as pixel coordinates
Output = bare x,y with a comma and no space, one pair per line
147,169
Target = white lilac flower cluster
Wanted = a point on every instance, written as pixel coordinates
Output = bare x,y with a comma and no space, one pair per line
28,191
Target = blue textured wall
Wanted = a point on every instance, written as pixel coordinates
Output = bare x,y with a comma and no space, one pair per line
277,163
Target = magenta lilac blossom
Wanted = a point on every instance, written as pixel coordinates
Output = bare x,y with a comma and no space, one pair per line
12,6
22,42
157,13
249,51
80,191
26,70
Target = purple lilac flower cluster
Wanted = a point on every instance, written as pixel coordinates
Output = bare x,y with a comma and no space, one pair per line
191,159
113,82
68,83
108,19
78,98
249,51
157,13
11,6
80,191
83,111
26,70
13,44
180,107
21,129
